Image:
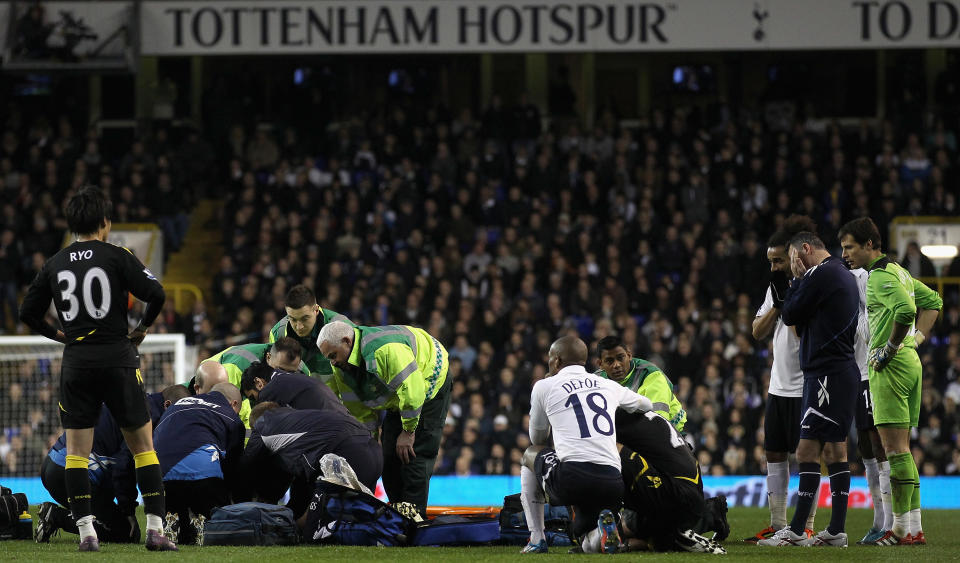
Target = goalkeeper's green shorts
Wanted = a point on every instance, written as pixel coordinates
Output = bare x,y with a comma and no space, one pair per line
896,390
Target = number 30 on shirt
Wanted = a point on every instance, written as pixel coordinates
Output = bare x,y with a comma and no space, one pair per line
67,294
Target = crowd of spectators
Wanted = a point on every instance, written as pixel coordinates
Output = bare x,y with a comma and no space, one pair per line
497,234
44,158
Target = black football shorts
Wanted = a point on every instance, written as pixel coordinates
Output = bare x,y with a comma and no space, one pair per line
84,390
781,424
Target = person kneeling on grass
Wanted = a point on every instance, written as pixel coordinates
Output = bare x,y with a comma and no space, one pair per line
664,504
297,439
112,475
161,401
583,470
262,383
199,441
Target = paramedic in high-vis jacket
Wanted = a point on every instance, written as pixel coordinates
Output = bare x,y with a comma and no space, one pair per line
401,370
641,376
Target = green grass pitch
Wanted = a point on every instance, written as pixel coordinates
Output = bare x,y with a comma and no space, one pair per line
942,528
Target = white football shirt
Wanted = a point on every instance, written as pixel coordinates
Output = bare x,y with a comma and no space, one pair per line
862,341
581,408
786,377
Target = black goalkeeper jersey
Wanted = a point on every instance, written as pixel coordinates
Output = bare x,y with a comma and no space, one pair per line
651,436
89,282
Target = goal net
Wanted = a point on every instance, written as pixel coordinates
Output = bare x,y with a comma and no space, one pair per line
29,389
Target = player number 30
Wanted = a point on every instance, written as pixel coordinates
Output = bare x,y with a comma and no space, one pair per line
601,414
70,299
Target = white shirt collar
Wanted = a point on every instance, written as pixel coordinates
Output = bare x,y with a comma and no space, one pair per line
573,370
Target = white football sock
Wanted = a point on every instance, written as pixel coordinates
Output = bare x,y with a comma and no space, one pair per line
886,494
813,510
155,523
591,542
901,524
872,471
778,478
915,526
86,526
531,497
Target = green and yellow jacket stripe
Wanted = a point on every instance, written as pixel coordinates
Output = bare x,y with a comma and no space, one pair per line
393,367
649,380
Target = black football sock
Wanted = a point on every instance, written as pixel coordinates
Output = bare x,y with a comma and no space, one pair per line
150,482
840,494
806,496
78,486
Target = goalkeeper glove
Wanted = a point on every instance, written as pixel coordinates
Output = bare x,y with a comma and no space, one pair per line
880,357
778,288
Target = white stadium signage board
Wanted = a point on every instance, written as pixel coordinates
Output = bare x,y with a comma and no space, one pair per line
944,234
145,243
417,26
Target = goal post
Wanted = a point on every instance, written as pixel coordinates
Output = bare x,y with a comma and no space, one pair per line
29,391
171,349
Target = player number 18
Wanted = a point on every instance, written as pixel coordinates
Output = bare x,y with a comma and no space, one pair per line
600,414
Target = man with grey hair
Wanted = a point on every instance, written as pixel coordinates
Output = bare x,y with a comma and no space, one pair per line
402,370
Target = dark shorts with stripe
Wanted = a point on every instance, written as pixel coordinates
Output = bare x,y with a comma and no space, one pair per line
664,503
781,424
587,487
829,403
84,390
864,407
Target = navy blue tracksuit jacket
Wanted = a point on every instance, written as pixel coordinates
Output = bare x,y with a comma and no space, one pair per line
824,305
199,437
293,389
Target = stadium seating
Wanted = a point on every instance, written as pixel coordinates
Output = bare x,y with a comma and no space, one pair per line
495,243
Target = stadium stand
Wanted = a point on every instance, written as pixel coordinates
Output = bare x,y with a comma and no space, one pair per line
470,226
